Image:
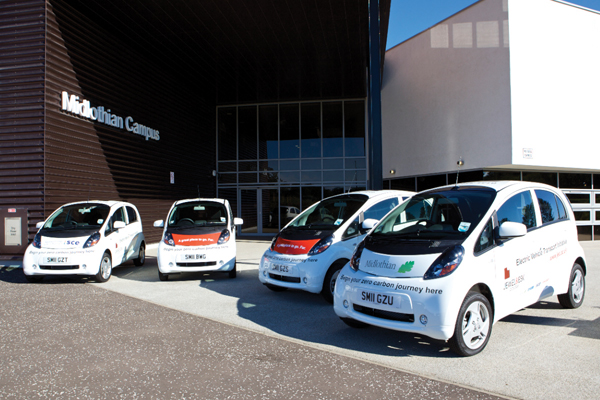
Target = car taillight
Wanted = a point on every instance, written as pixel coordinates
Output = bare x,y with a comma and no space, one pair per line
446,263
355,260
168,239
92,240
224,238
321,246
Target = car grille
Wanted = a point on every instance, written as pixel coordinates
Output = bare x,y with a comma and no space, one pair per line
59,267
197,264
284,278
394,316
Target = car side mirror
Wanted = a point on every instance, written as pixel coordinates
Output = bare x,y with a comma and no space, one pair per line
159,223
369,223
510,229
119,225
238,221
39,224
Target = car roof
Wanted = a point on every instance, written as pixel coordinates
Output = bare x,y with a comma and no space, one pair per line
498,186
380,193
222,201
109,203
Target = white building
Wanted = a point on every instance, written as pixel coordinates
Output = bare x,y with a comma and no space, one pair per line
511,88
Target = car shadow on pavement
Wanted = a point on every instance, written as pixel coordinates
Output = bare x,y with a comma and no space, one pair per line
308,317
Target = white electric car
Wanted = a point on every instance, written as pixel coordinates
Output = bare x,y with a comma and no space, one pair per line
86,238
199,236
452,261
309,252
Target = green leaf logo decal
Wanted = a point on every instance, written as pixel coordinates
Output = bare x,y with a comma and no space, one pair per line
407,266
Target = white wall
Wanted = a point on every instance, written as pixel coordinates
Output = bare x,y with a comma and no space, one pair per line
446,95
555,84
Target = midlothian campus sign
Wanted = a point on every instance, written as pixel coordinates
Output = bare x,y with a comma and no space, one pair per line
82,108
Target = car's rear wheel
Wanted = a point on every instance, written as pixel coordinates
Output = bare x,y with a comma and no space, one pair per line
105,270
574,297
473,325
141,259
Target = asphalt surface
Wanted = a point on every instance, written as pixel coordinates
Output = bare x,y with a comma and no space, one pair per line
207,336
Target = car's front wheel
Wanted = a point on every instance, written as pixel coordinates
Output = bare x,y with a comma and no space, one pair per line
473,325
330,278
574,297
105,270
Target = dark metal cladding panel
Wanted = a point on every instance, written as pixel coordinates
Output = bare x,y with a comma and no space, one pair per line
88,159
22,107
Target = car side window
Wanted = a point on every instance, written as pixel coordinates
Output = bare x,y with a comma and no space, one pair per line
131,214
518,208
117,216
486,238
562,212
380,209
548,206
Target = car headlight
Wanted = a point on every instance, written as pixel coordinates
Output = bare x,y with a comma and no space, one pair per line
355,260
168,239
273,242
224,238
92,240
37,241
446,263
321,246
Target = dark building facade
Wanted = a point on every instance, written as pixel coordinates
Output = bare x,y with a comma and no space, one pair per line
151,102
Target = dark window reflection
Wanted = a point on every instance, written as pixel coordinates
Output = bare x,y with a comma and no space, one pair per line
549,178
267,132
334,163
357,176
403,184
354,163
227,133
290,197
289,177
310,195
467,176
332,129
227,167
578,198
289,131
332,191
311,176
289,165
311,164
333,176
311,130
501,175
575,181
582,215
584,233
354,124
247,136
430,182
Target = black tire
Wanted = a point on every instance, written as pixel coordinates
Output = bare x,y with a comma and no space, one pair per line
276,288
233,272
163,277
574,297
330,278
105,270
34,278
473,325
354,323
141,259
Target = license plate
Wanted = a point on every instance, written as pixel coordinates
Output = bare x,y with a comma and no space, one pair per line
379,298
56,259
195,256
284,269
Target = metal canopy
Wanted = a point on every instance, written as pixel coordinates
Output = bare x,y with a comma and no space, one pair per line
236,51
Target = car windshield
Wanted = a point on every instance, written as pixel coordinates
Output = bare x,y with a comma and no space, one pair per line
198,213
447,214
329,213
78,216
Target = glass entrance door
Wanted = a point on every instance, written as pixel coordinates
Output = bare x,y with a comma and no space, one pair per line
259,209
